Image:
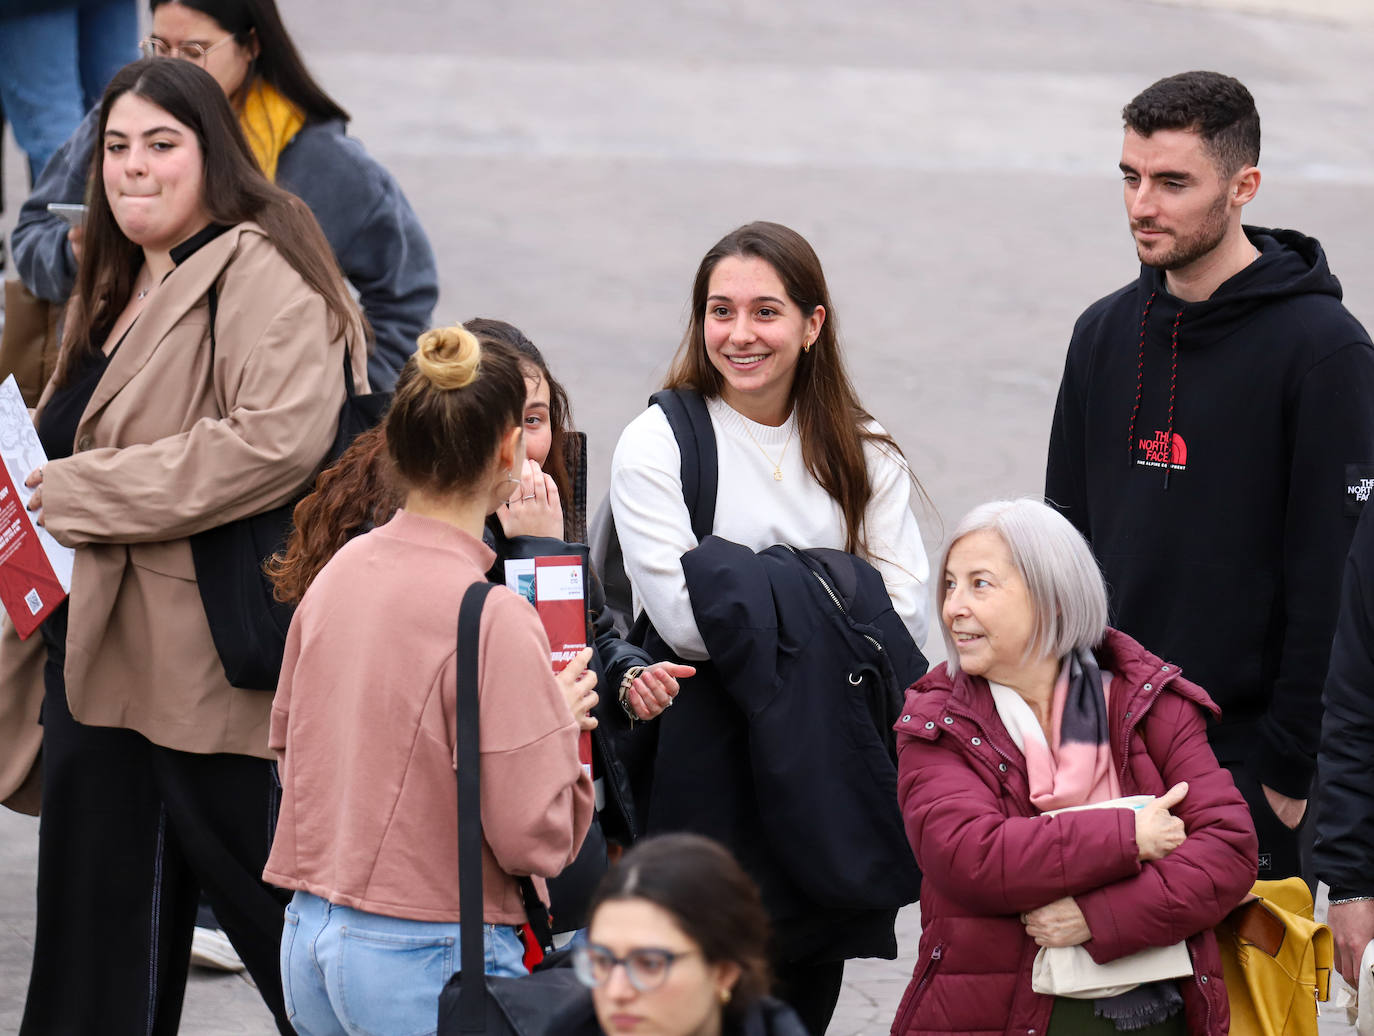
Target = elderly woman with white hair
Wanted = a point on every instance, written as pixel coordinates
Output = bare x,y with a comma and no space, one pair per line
1042,710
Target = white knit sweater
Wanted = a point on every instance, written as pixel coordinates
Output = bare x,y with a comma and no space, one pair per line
752,509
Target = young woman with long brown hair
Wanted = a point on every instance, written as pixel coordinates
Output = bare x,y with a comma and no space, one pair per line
801,462
160,423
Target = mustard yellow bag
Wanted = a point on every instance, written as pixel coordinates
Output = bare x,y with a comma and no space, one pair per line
1277,961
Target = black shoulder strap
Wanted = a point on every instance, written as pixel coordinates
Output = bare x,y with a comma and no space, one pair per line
696,441
472,997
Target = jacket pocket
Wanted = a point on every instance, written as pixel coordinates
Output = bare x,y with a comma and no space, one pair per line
917,990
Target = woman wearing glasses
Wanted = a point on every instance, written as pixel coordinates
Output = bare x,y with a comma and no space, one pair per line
297,133
678,945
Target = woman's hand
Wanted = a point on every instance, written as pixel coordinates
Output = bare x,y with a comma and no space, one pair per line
75,236
35,482
577,683
653,690
533,508
1157,831
1060,923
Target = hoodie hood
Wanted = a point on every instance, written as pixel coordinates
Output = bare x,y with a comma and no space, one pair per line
1290,264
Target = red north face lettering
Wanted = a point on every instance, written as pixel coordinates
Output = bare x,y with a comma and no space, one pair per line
1155,452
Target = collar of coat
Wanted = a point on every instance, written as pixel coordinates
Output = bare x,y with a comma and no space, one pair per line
183,289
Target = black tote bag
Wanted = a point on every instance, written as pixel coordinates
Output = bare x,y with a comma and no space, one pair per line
539,1004
247,623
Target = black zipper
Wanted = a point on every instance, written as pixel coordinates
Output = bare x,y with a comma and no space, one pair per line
830,592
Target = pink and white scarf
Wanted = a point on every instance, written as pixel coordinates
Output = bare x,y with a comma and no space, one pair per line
1074,767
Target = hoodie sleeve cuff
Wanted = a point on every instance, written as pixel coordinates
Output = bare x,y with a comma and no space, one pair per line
1282,771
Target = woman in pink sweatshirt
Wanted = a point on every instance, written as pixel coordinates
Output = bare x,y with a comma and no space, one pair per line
364,721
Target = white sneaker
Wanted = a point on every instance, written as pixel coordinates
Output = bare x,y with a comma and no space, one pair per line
211,948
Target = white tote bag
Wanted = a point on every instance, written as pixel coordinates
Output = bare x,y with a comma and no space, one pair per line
1070,971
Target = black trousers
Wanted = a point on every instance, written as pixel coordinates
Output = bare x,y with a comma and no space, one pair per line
130,834
812,990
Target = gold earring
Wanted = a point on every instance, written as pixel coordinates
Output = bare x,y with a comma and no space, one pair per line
807,347
725,995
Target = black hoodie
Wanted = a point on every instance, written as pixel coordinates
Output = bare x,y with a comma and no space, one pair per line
1224,554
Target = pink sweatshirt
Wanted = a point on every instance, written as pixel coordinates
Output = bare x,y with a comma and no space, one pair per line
363,725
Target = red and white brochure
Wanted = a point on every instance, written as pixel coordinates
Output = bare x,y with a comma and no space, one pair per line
35,570
557,587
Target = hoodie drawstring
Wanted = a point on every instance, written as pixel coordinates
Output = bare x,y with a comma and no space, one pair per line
1140,386
1173,394
1139,381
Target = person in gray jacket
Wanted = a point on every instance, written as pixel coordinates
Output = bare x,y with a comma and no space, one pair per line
298,134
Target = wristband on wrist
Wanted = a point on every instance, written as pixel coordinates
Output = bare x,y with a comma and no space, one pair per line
630,676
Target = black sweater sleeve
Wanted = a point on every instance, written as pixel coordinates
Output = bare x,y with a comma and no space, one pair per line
1332,433
1065,486
1344,855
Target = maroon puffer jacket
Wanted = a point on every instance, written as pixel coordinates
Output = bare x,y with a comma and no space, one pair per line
988,856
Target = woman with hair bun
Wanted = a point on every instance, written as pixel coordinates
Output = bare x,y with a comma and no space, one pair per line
678,946
364,721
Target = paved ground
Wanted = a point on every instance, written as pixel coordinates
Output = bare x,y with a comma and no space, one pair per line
954,165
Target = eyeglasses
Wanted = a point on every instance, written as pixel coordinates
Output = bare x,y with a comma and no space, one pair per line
196,53
646,968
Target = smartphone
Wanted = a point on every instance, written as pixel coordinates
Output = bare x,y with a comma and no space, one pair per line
75,215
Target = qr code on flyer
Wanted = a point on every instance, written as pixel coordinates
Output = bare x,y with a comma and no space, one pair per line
34,602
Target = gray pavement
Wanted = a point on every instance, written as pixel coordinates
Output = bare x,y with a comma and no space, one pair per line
953,164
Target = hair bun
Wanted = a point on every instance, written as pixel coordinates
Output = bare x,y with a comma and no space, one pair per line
448,357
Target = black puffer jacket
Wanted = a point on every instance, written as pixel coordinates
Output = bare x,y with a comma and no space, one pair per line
1344,855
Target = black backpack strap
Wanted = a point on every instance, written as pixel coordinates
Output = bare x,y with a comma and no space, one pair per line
696,441
472,999
212,300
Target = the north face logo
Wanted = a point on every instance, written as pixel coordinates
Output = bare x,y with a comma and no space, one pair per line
1156,452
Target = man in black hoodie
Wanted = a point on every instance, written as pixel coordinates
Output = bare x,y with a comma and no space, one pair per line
1214,441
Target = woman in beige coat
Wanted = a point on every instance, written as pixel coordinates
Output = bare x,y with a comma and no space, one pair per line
156,782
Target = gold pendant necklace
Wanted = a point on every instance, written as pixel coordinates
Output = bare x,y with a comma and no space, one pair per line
777,465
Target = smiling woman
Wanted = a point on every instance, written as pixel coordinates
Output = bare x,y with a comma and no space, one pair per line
799,461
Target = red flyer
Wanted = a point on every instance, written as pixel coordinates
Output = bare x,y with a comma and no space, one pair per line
35,570
556,586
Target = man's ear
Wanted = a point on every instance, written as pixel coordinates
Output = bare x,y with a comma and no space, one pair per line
1244,186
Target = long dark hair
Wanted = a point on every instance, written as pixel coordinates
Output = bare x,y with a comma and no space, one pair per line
561,463
278,62
708,895
832,424
233,191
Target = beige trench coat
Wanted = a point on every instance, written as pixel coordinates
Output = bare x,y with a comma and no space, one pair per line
165,449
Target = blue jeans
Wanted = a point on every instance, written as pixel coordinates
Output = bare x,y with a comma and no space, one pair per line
346,972
54,67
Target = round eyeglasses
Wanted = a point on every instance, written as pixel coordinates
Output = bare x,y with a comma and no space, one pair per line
196,53
646,968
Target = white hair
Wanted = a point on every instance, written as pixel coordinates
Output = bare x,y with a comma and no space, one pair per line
1054,561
